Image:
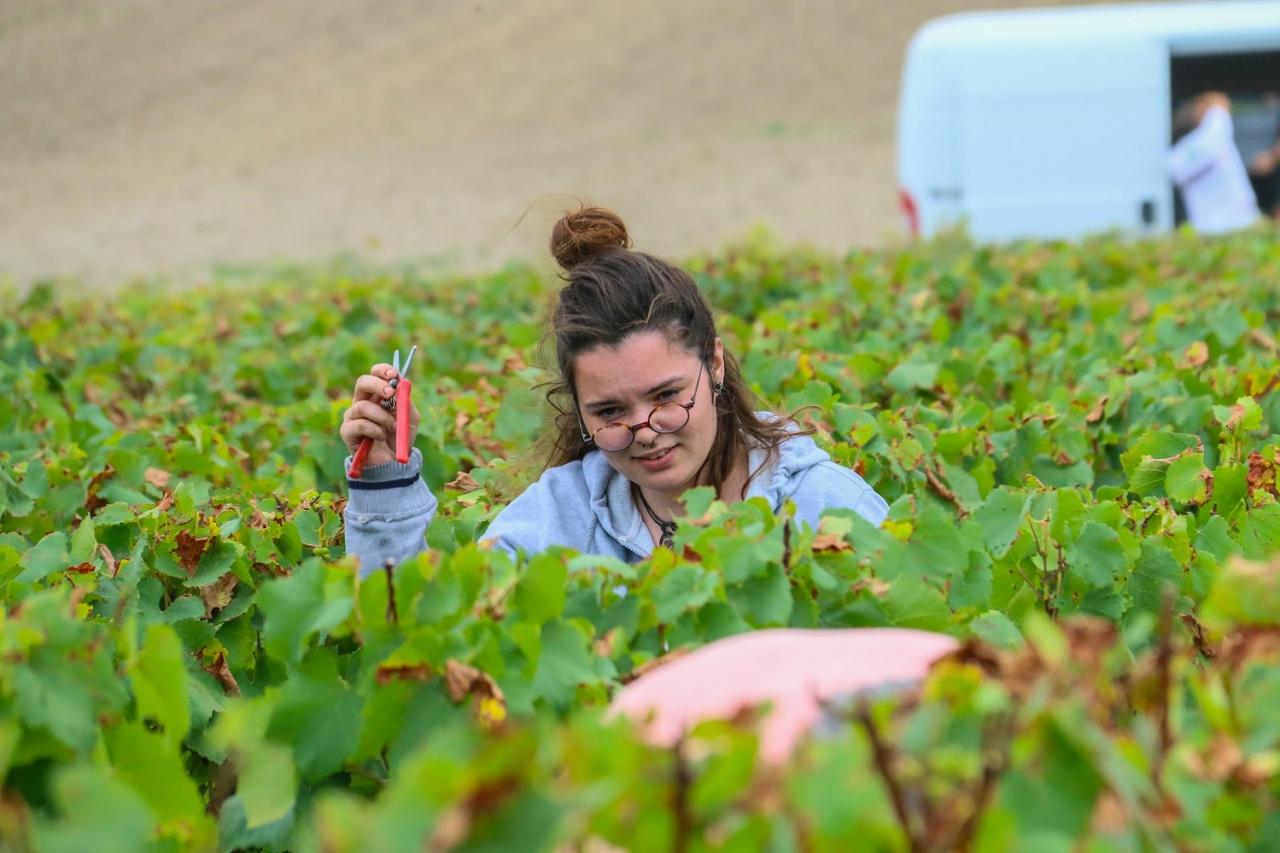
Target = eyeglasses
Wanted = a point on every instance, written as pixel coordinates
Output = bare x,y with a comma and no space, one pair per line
665,418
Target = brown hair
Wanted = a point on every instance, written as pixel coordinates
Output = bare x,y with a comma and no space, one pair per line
613,292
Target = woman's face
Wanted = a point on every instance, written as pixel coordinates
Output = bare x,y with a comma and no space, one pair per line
622,384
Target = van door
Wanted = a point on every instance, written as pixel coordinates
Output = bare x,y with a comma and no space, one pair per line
1062,139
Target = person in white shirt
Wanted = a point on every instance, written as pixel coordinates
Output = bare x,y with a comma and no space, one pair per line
1206,166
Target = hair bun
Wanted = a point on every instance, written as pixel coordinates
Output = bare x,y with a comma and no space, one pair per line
587,233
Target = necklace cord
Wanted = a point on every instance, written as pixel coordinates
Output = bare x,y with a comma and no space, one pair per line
668,528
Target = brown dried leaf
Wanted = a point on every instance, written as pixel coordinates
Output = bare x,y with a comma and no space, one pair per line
462,483
596,844
489,705
487,394
117,415
387,673
463,680
830,542
1207,476
1089,639
1262,473
452,828
219,669
605,645
1168,812
1237,412
875,586
157,477
1196,355
81,569
1020,671
490,794
1247,645
1258,770
190,549
1109,814
1223,758
1140,309
165,503
1098,410
218,594
1263,340
92,502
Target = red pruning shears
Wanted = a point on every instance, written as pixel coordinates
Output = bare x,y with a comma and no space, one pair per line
398,404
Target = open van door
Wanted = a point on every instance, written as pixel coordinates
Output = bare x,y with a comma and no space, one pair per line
1056,142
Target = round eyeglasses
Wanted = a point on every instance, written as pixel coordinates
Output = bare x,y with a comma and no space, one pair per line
664,418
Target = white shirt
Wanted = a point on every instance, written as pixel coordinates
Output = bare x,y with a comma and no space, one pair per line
1207,168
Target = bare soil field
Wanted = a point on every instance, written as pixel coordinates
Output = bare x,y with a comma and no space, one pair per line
159,137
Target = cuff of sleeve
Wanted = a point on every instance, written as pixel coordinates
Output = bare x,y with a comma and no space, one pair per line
392,487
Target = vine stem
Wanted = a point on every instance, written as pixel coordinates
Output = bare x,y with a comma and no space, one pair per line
682,781
996,739
884,765
786,546
1164,666
393,614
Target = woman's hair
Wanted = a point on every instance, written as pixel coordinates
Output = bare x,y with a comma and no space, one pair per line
613,292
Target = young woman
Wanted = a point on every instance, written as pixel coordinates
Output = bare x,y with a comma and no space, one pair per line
652,405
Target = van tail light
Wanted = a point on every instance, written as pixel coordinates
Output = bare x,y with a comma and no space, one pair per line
910,212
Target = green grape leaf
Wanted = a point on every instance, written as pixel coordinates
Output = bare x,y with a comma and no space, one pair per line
151,765
319,716
1097,557
540,592
100,813
296,607
565,663
1185,479
47,556
160,682
999,518
997,629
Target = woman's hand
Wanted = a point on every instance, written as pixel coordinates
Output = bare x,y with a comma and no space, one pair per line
367,419
1264,162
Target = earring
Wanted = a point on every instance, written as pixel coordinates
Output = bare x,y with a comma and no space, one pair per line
718,387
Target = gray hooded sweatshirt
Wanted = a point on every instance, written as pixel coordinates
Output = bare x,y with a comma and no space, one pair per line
585,505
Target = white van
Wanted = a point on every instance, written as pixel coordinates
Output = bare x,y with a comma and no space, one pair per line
1054,123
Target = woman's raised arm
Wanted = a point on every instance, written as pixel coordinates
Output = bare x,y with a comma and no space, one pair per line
388,507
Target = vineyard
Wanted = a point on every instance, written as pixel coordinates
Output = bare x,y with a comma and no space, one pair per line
1077,442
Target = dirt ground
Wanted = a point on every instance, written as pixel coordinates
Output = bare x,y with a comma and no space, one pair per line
159,137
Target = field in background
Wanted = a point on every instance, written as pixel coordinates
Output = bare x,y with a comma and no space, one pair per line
158,136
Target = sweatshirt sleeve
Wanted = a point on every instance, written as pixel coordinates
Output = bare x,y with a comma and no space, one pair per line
387,513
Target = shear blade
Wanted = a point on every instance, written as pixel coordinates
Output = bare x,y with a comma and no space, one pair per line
408,361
